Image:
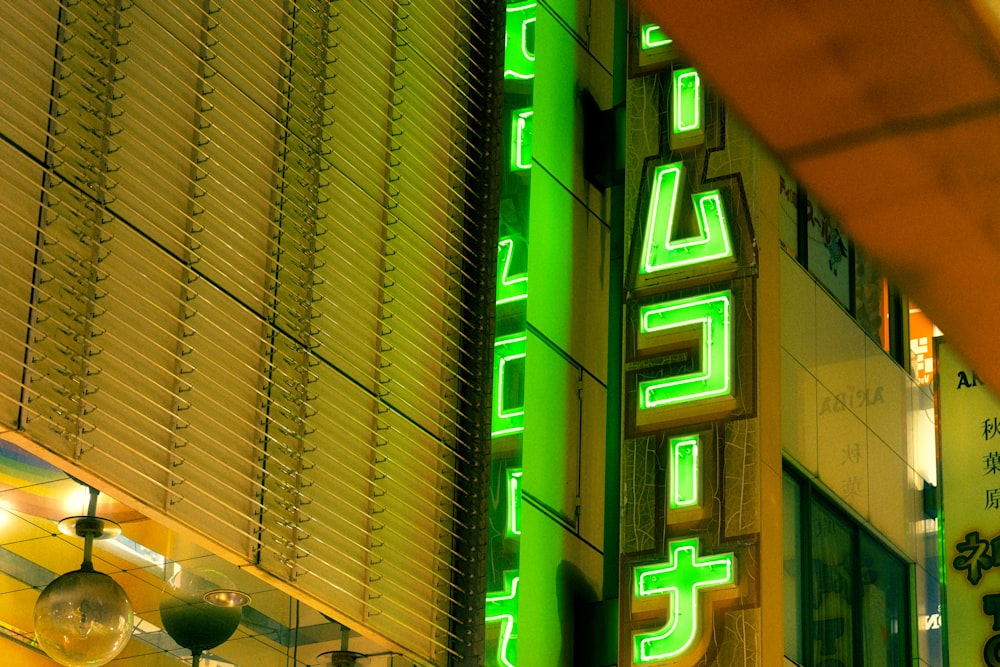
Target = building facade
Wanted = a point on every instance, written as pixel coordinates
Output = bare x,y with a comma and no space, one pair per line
488,332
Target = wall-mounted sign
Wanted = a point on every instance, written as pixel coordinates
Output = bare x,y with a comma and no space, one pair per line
687,109
670,605
651,47
501,608
969,423
669,243
519,54
689,315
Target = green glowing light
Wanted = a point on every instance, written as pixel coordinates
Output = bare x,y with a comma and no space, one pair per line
684,577
686,104
705,318
519,44
520,152
508,384
514,502
684,490
652,36
502,608
661,252
510,286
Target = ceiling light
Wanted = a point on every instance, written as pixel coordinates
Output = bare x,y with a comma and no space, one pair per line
84,618
200,609
226,597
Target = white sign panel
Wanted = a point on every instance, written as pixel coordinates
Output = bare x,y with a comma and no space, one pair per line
969,423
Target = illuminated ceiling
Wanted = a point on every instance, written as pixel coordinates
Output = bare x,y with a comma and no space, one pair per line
275,631
890,113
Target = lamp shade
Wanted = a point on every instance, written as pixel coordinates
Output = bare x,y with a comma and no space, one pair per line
83,619
192,622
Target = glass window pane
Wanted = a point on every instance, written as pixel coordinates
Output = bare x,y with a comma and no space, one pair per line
832,588
871,300
883,608
793,569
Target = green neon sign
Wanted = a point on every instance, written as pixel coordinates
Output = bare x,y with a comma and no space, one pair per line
652,36
684,472
705,318
508,384
510,286
514,502
684,578
519,41
502,608
661,251
686,103
520,150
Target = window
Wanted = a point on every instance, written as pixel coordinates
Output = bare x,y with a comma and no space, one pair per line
846,595
813,237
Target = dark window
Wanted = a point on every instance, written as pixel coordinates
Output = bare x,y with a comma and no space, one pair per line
846,595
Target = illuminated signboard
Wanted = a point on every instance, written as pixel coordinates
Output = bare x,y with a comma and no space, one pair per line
519,51
651,36
969,424
687,109
502,608
511,286
679,585
510,342
684,488
683,365
705,319
662,249
520,153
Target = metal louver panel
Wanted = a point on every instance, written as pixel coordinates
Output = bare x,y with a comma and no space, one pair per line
245,282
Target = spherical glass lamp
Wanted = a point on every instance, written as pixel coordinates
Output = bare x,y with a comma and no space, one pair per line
83,619
201,609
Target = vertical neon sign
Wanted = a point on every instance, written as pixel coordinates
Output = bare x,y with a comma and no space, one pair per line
652,37
519,47
684,243
662,249
510,345
702,318
684,579
520,154
684,488
686,109
502,608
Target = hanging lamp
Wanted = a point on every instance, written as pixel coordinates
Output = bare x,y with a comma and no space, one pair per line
84,618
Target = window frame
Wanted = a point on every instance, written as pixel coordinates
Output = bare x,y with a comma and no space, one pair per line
810,495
